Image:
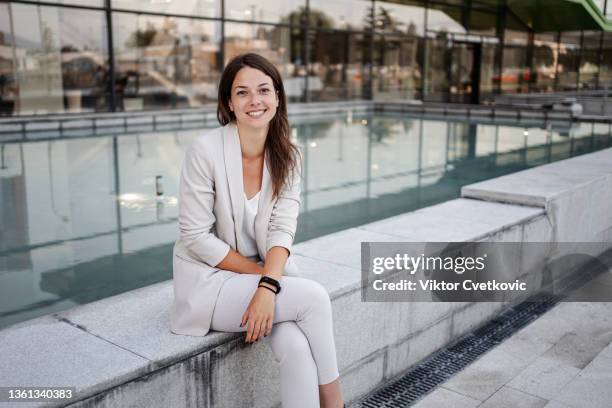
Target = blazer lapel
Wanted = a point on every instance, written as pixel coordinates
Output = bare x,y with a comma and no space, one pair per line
232,155
266,187
263,210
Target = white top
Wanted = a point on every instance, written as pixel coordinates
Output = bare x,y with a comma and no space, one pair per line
248,225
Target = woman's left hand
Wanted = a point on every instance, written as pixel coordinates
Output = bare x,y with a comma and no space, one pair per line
259,315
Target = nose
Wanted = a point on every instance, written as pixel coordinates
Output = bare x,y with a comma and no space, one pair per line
254,100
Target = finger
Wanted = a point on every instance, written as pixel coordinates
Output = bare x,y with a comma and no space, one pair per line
256,329
249,331
263,327
270,324
244,319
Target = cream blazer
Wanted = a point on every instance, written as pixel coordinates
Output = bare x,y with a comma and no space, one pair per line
211,207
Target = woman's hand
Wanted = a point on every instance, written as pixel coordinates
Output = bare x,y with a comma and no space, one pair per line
259,315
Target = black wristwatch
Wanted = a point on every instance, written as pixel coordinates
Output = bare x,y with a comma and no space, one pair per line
271,281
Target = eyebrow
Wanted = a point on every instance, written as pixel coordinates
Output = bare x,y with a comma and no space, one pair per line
244,86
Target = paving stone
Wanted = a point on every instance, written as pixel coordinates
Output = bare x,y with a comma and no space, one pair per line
544,378
522,343
566,318
507,397
442,397
592,387
578,349
486,375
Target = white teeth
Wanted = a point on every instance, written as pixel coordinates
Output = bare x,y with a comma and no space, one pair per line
256,114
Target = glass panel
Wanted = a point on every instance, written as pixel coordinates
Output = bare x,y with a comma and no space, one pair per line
52,59
397,70
605,72
203,8
270,11
544,62
592,40
437,69
165,62
281,45
487,72
336,65
589,61
9,88
460,74
341,14
569,58
400,19
515,70
445,18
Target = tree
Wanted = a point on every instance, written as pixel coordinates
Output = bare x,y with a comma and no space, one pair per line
317,18
142,38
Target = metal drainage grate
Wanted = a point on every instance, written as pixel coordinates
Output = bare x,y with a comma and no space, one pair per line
446,362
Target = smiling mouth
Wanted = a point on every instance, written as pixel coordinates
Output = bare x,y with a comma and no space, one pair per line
256,114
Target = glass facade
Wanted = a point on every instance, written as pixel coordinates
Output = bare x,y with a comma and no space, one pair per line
55,59
165,61
50,58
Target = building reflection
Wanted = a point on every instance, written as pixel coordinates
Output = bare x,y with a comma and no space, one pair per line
83,217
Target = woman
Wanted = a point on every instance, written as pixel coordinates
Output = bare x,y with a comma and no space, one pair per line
238,206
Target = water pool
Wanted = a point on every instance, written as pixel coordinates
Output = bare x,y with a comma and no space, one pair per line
81,219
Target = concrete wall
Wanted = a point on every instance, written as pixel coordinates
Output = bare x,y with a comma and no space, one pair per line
119,351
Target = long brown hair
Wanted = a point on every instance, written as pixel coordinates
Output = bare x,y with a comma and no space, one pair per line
281,154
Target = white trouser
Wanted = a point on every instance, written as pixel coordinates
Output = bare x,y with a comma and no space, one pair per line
302,338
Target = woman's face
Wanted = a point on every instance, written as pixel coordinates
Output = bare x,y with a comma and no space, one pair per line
253,99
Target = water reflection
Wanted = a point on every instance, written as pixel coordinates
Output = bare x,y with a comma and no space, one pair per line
86,218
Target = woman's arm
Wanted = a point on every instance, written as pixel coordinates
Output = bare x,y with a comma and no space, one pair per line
237,263
196,200
283,224
275,262
259,315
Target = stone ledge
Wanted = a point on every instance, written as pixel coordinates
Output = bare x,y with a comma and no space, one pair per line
119,350
541,185
131,329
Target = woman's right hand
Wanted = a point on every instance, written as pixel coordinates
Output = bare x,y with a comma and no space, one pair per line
259,315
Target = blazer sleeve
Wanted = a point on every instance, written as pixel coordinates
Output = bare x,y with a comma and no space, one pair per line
196,201
283,220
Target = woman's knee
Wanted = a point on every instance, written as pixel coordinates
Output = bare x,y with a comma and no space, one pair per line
288,340
318,295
